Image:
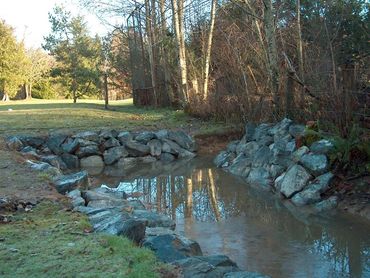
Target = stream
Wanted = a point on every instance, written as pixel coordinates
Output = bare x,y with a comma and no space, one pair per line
256,229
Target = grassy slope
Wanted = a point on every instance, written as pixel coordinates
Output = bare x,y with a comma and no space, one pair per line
43,115
50,242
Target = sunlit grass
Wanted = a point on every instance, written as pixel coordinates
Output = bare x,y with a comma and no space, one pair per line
50,242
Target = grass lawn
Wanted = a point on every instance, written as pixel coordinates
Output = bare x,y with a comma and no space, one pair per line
50,242
43,115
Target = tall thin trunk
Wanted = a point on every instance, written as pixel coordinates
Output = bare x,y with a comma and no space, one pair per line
177,11
106,93
149,11
332,57
209,49
5,97
164,56
300,50
273,68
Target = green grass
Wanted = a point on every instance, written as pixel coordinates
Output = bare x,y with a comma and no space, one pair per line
50,242
35,116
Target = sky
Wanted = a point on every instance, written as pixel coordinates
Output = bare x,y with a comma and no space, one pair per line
31,22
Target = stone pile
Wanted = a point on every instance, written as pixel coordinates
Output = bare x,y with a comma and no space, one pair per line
267,157
110,212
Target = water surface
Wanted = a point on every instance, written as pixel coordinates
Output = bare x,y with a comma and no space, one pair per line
255,228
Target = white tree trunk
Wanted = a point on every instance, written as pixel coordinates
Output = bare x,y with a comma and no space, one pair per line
177,10
209,49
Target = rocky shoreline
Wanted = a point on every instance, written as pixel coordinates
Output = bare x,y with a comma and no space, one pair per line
271,157
108,209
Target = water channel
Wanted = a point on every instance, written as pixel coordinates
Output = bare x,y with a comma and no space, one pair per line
255,228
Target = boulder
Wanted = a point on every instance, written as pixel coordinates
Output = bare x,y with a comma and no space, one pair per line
154,219
71,161
108,133
322,147
281,128
127,162
54,143
167,157
88,135
261,157
297,130
148,159
155,146
312,193
87,151
295,180
183,140
327,204
70,146
110,143
44,167
55,161
223,159
133,229
317,164
112,155
266,140
144,137
231,147
261,131
171,247
297,155
171,147
276,170
124,136
161,134
250,149
94,161
215,266
67,183
240,166
278,182
137,149
14,143
33,141
260,177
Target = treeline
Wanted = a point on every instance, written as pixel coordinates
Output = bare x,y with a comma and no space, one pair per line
249,59
71,63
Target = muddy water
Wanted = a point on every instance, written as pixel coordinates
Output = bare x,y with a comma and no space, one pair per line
257,230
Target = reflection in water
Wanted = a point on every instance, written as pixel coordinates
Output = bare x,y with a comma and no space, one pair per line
258,231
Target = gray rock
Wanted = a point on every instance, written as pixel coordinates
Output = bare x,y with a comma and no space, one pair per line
295,180
167,157
74,194
297,155
94,161
161,134
154,219
250,149
87,151
297,130
223,159
67,183
55,142
148,159
44,167
14,143
186,154
71,145
261,131
108,203
124,136
262,157
278,182
231,147
55,161
108,133
183,140
137,149
322,147
244,274
127,162
133,230
110,143
112,155
240,166
276,170
112,225
317,164
145,136
290,146
321,183
155,146
79,201
170,247
327,204
259,177
266,140
32,141
171,147
281,128
88,135
71,161
215,266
